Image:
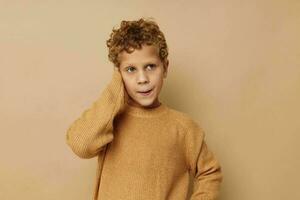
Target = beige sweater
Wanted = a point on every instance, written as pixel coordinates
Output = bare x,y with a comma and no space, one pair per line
144,154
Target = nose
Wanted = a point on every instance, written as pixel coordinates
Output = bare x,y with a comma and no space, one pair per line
142,78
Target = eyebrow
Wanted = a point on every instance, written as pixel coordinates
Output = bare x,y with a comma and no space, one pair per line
144,64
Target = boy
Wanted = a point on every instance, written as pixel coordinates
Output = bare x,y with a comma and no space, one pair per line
146,150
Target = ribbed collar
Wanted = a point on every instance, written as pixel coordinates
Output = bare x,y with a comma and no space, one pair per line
146,112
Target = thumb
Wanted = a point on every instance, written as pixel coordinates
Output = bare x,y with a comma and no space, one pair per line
126,96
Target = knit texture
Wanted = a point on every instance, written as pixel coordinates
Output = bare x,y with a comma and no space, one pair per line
144,153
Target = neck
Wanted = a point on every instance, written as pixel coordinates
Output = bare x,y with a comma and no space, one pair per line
153,110
156,103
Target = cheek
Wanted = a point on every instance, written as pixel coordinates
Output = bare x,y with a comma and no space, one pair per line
158,81
129,86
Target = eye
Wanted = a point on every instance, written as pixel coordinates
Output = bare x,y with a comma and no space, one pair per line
151,66
130,67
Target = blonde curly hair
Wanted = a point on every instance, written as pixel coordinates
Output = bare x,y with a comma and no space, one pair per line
132,35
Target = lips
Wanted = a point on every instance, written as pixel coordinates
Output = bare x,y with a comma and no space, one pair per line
145,91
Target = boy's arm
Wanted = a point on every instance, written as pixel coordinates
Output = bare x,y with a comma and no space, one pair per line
204,166
89,133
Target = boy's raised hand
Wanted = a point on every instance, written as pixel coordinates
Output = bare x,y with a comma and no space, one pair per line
90,132
117,78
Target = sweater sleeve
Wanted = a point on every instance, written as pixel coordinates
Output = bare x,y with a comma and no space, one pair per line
203,164
93,130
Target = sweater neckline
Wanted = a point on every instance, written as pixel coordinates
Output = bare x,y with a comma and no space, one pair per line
146,112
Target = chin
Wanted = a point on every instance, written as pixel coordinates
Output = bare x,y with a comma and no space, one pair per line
144,102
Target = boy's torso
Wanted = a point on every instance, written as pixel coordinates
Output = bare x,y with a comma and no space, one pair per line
146,159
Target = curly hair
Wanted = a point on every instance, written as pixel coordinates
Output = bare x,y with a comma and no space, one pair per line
132,35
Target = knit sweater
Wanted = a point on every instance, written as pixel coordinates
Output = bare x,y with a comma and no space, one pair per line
144,153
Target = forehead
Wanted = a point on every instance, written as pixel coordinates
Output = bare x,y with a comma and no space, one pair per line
148,53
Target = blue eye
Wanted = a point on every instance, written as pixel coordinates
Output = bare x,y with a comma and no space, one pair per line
149,67
152,66
129,68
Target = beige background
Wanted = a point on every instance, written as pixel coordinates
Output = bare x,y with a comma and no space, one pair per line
234,67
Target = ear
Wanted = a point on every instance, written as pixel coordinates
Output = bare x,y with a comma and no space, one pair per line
166,65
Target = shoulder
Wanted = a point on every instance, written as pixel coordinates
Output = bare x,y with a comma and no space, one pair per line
184,120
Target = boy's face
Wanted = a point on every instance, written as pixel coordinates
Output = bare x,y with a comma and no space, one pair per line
141,71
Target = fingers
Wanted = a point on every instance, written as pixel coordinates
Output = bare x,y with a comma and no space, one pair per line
117,69
125,95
